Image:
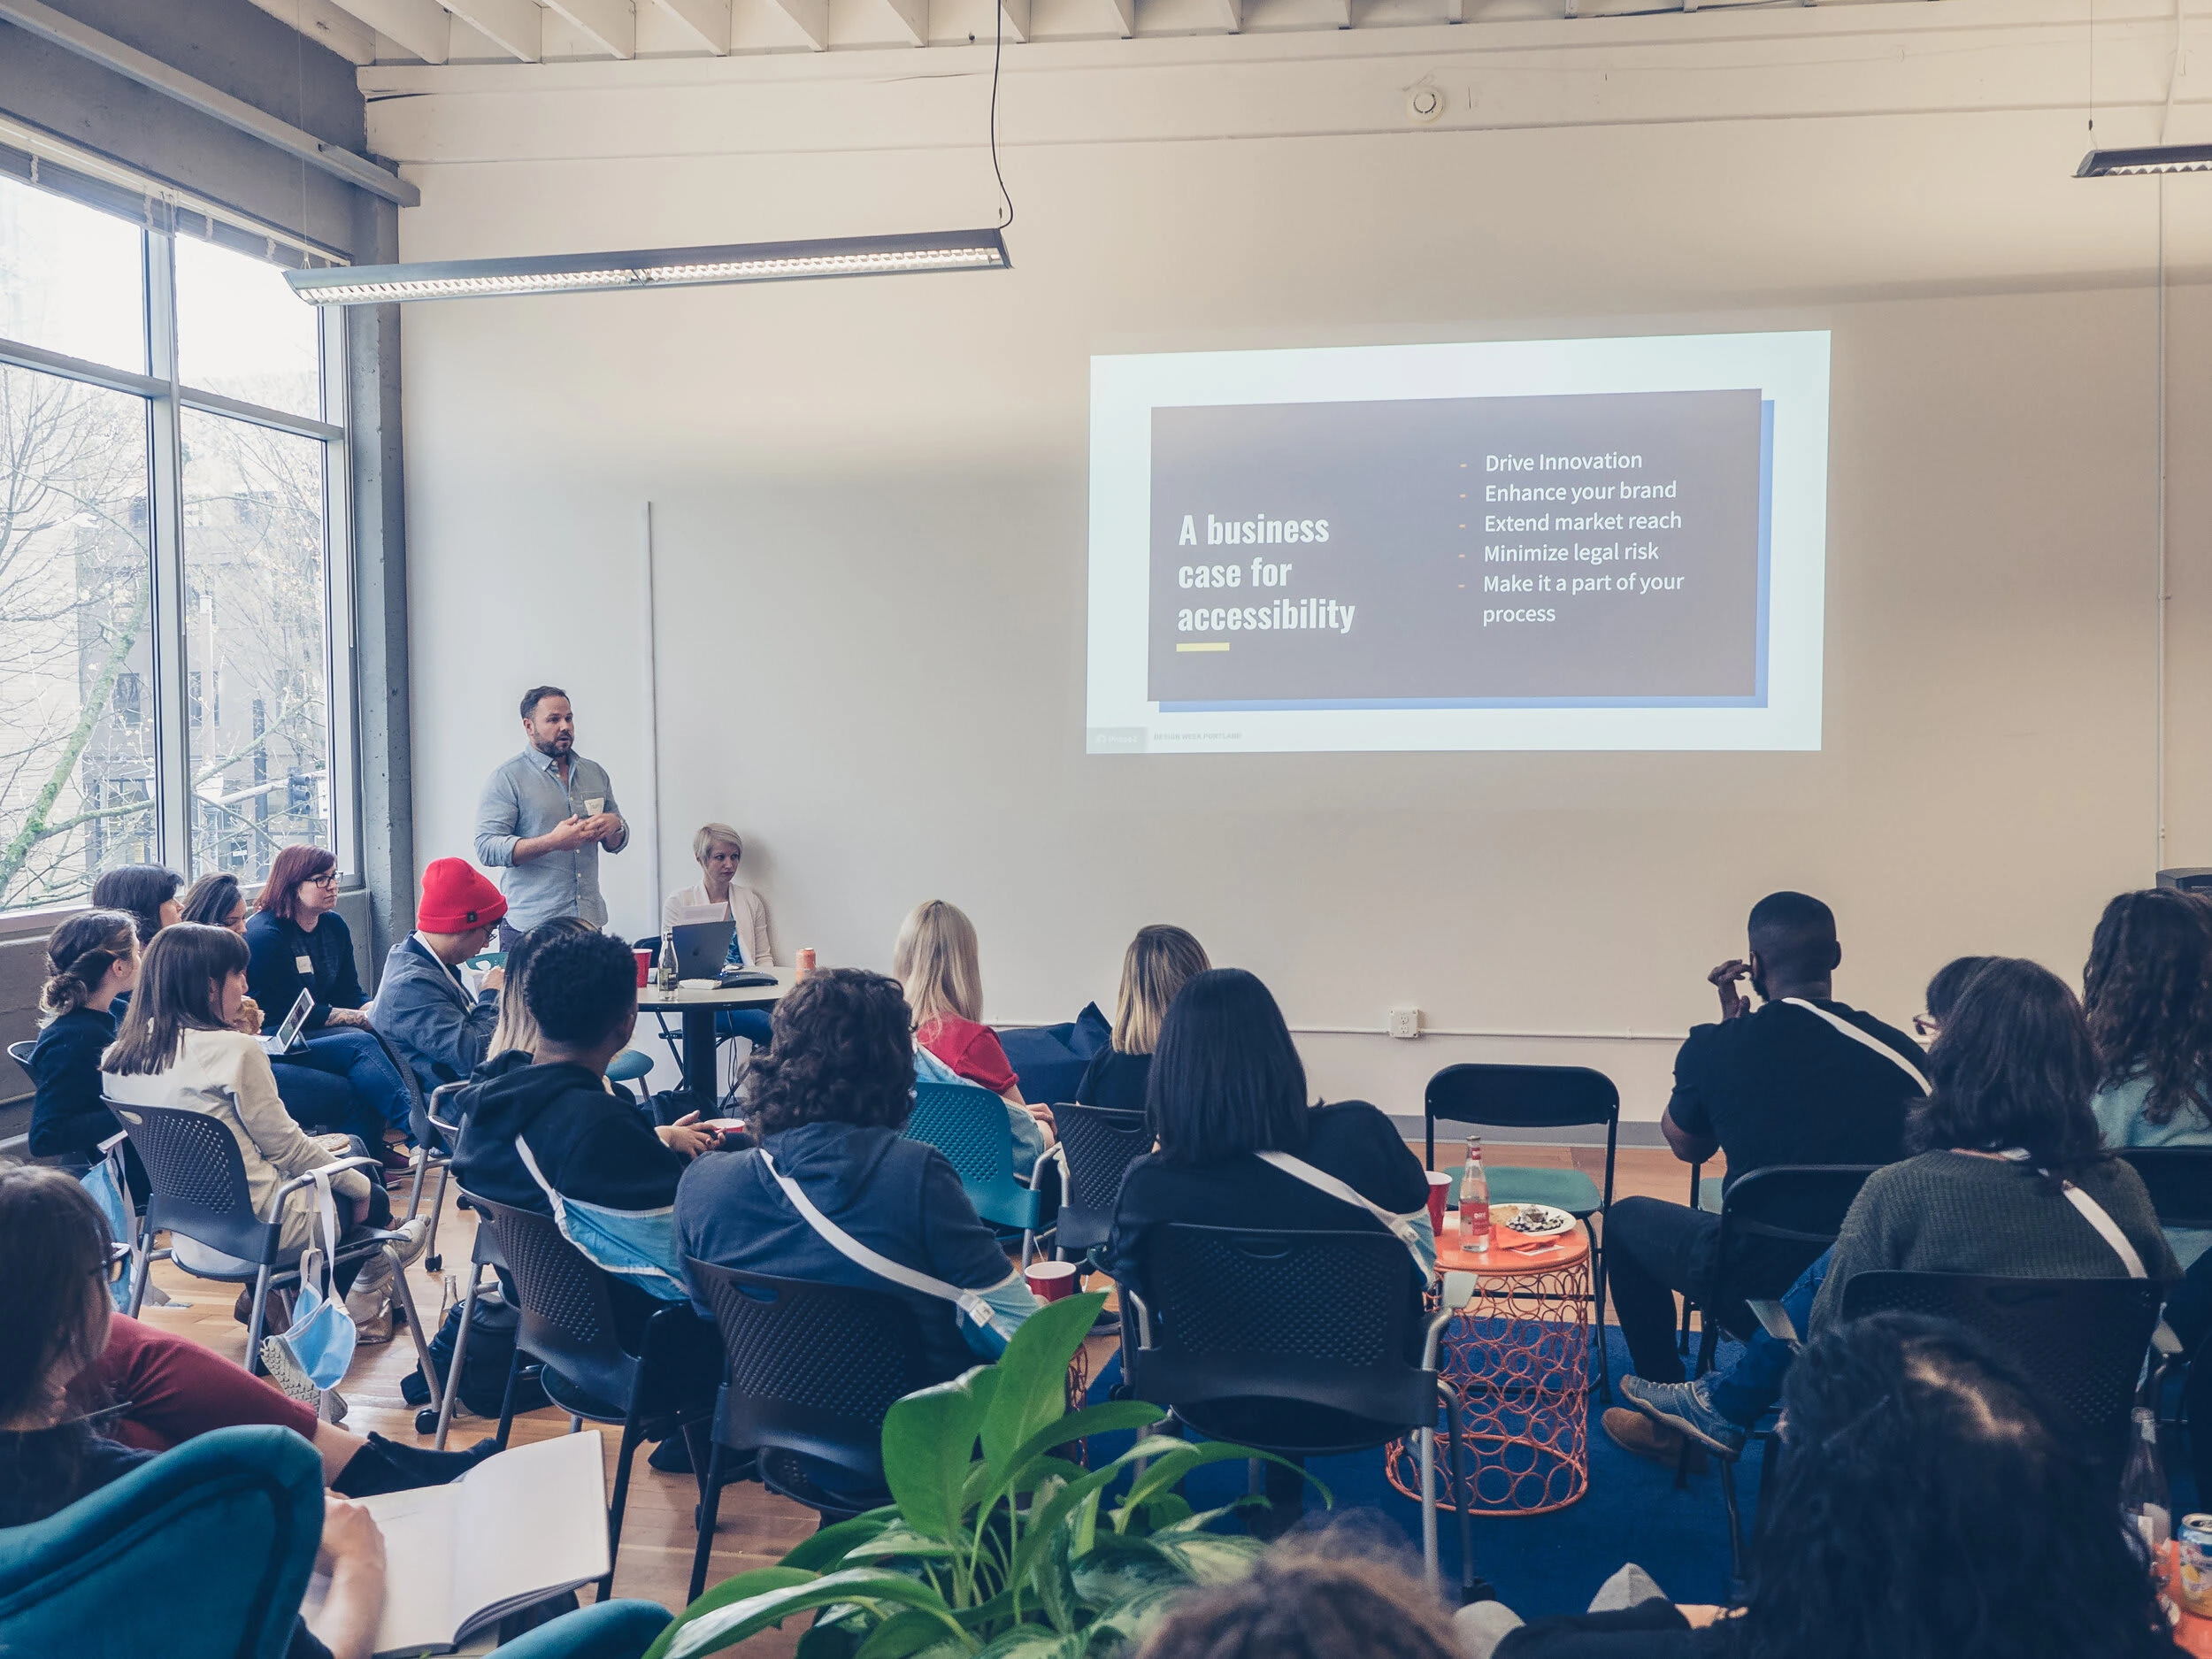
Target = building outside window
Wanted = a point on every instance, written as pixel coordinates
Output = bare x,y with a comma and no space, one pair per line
171,468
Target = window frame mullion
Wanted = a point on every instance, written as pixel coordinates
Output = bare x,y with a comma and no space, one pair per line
171,703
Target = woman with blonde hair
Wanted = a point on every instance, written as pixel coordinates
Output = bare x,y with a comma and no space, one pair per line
939,967
717,848
1160,961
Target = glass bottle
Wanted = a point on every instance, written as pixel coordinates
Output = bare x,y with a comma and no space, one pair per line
1474,1201
2144,1504
668,963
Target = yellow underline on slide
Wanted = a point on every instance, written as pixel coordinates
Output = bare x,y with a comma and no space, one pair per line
1209,645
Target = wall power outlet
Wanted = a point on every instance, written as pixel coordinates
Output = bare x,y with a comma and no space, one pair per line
1405,1023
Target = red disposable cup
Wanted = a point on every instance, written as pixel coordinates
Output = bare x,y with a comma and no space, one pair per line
1440,1188
644,964
1049,1281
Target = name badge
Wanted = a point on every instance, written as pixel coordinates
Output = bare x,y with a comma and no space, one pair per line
304,965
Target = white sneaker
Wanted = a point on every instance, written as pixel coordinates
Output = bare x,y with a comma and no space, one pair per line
285,1375
413,1237
369,1303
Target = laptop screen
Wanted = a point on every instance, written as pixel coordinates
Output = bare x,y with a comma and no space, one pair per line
289,1031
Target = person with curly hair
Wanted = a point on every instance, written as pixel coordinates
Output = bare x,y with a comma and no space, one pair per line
1932,1504
2147,990
826,1100
1309,1598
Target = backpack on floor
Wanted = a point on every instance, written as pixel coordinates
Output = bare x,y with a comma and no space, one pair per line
484,1369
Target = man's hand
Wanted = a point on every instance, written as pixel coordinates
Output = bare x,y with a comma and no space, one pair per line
494,979
603,827
1732,1004
683,1137
347,1017
570,833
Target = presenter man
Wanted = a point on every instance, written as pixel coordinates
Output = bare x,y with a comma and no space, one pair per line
544,816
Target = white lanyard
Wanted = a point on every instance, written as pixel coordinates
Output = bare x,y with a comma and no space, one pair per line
852,1249
2093,1213
1322,1182
1864,1040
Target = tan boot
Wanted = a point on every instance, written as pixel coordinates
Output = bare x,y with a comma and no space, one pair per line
1633,1432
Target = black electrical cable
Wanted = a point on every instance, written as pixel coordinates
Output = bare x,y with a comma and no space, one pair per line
998,46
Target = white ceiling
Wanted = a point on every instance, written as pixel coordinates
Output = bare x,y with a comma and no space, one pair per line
526,31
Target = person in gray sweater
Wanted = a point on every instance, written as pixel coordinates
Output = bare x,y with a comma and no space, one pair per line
2007,1132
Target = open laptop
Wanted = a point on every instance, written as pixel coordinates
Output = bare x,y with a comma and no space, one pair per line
702,948
288,1032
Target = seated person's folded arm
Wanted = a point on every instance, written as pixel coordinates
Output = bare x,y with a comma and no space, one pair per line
964,1252
1686,1125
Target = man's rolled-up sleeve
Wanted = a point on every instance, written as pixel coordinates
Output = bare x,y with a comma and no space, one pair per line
498,815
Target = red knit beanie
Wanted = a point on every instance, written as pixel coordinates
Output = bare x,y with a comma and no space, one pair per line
455,898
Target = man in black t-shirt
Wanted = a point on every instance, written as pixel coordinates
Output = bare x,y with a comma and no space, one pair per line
1802,1079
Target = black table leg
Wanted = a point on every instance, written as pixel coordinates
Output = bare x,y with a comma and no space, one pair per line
699,1055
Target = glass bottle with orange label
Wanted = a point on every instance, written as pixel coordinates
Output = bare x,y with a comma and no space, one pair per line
1474,1201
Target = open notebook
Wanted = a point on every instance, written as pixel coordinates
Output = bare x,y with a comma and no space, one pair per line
527,1524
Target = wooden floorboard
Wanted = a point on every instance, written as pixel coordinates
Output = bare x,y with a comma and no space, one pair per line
756,1527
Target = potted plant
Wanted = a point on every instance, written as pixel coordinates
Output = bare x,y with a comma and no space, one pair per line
1017,1551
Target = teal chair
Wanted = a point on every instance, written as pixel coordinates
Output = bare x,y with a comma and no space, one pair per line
628,1067
1523,1097
968,1124
605,1629
202,1554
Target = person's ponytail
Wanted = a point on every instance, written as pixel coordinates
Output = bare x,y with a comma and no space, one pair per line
79,955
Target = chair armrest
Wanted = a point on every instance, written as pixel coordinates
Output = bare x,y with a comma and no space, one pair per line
308,1179
1131,1300
1433,1335
1459,1290
1775,1320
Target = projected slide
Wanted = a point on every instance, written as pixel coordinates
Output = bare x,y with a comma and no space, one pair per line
1570,545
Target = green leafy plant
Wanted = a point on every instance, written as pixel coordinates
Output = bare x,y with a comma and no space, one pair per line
1018,1553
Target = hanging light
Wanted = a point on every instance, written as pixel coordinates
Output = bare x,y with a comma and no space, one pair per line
2118,164
654,268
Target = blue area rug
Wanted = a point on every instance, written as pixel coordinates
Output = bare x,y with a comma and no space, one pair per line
1544,1563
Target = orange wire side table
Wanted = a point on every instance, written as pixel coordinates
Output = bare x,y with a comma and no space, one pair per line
1518,1351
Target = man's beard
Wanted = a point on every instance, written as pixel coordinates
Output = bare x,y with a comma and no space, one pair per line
553,745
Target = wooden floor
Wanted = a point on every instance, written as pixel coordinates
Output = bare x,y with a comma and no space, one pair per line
658,1538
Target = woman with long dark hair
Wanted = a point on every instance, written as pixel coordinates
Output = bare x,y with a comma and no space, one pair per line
1928,1505
299,942
91,961
2007,1131
146,892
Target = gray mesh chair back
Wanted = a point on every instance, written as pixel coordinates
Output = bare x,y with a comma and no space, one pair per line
1099,1145
2083,1339
567,1317
2179,1182
198,1178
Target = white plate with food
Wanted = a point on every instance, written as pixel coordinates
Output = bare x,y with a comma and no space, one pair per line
1537,1220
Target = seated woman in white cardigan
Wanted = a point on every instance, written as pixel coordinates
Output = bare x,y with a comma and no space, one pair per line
719,850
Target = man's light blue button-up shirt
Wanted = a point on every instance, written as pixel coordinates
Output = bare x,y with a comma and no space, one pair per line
525,797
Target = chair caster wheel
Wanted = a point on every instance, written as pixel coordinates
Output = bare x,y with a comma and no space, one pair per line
435,1264
426,1420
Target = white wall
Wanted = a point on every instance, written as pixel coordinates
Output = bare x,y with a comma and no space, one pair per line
871,497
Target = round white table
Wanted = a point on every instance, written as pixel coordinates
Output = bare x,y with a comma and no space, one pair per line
698,1007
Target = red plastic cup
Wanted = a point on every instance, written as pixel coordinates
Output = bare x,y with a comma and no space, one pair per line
1049,1281
644,964
1440,1189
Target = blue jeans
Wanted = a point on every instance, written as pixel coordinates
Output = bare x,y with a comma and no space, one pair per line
356,1055
1753,1385
323,1104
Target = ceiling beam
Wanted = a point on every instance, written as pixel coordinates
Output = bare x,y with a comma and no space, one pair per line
706,21
813,17
1125,15
611,24
912,18
420,26
516,26
1015,12
328,26
1229,14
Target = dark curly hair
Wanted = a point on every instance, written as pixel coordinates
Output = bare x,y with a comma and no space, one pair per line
2014,1067
2149,998
840,1049
580,986
140,891
1309,1598
1932,1505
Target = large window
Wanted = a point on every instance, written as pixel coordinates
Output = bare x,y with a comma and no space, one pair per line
171,469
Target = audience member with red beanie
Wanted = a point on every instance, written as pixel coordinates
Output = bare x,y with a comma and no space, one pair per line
423,1008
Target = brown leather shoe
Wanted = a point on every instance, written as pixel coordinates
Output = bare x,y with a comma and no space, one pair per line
1633,1432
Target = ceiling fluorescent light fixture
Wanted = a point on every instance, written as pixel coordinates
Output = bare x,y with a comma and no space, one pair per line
655,268
2118,164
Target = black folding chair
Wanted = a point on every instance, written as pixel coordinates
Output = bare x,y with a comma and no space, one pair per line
1096,1146
2083,1339
1240,1325
199,1192
811,1370
1536,1097
435,1137
1801,1204
566,1322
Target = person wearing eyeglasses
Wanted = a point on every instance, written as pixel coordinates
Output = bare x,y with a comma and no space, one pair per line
299,942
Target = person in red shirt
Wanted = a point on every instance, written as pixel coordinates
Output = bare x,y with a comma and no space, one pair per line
937,964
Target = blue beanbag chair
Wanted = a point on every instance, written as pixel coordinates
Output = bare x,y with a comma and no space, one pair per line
1050,1061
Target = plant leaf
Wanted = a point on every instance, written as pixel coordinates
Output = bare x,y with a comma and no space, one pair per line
1033,1641
897,1539
1117,1567
1126,1625
1211,1557
905,1633
827,1547
737,1588
1033,1373
1169,1509
928,1443
868,1587
1172,1465
1037,1532
1109,1418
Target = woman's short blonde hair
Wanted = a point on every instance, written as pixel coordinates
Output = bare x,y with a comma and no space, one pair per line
936,963
713,835
1160,961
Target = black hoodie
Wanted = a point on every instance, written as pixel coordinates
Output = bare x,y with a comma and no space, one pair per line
588,1144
